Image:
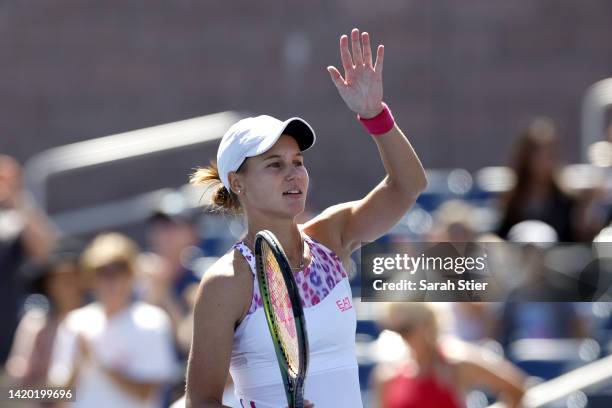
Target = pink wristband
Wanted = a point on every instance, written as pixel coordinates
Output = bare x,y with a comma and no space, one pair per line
379,124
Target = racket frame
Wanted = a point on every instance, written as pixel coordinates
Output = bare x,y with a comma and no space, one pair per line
294,387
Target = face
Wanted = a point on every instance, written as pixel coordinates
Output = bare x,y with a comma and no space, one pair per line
274,183
424,338
169,239
113,286
542,161
64,287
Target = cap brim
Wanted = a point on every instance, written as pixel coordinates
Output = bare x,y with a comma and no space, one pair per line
301,131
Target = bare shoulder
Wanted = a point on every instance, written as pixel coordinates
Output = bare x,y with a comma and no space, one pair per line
327,228
230,267
228,283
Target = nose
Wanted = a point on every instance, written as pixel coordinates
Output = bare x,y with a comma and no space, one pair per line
292,173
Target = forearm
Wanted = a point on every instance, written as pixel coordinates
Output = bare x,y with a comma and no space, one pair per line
405,173
39,234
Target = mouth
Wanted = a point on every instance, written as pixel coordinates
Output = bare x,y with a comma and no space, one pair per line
292,193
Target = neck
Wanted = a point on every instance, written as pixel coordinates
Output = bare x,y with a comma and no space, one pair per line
63,309
286,232
424,360
112,310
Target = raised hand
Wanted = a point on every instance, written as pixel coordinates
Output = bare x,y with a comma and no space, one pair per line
361,87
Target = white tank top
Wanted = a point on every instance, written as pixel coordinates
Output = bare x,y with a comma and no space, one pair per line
332,379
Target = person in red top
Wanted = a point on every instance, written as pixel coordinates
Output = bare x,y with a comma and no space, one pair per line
408,388
438,373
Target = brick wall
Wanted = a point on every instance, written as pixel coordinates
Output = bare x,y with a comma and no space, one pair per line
461,77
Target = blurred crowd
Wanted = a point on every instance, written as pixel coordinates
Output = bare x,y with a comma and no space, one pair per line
113,318
103,316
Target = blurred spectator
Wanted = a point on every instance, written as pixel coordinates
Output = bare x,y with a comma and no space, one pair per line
537,194
473,321
593,211
59,282
521,319
437,374
167,277
454,222
541,320
25,235
169,281
116,352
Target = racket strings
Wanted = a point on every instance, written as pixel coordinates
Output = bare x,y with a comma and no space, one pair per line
285,325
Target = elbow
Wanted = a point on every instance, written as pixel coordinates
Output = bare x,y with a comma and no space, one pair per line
422,180
410,187
421,184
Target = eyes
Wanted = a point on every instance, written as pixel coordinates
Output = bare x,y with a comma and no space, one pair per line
278,164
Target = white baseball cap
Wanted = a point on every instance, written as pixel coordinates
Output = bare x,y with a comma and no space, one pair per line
256,135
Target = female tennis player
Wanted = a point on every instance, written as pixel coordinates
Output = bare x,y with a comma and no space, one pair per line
260,172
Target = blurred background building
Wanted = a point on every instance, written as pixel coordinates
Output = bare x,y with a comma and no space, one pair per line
492,96
462,78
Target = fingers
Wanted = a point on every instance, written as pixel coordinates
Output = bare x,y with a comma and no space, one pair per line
361,51
345,55
380,56
356,47
367,49
335,76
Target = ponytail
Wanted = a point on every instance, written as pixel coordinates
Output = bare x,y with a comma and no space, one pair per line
221,200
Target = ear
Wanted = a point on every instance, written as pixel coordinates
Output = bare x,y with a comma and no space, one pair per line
235,182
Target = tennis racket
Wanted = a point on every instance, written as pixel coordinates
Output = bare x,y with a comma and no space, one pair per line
284,314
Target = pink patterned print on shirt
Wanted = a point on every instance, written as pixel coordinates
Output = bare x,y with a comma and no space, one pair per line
314,282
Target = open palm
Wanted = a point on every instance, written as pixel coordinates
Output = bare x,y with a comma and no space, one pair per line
361,87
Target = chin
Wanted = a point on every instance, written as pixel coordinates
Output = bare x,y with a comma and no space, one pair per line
291,211
298,208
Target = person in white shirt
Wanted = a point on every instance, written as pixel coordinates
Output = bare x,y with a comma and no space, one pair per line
115,352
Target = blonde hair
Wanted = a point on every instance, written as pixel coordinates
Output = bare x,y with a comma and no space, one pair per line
110,248
404,317
221,199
